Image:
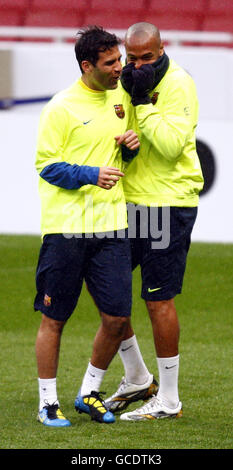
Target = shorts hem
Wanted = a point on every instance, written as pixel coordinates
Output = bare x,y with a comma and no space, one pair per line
122,315
55,317
155,298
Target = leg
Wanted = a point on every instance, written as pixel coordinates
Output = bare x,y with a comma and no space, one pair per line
165,326
108,338
109,282
106,344
136,371
47,355
138,383
58,286
166,331
162,278
48,347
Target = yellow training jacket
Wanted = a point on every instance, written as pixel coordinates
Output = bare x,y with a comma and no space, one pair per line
77,130
167,171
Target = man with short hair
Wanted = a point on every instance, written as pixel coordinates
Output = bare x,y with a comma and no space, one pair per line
166,174
84,133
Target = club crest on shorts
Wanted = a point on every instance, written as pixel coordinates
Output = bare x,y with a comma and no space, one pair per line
155,97
47,300
119,110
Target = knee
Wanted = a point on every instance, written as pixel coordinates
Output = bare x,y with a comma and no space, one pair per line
161,309
51,325
115,326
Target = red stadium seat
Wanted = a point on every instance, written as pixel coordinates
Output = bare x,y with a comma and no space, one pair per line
119,5
219,23
14,4
53,19
12,12
166,14
114,14
219,17
56,5
196,7
176,14
220,7
10,18
54,13
172,21
109,19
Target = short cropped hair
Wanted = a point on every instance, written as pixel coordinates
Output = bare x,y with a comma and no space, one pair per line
91,41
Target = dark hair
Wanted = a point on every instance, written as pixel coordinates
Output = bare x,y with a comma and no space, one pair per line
91,41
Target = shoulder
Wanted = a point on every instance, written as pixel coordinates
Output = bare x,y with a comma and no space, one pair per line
57,101
56,106
177,83
178,76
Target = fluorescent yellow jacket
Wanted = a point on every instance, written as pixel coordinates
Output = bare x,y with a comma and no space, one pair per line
76,137
167,170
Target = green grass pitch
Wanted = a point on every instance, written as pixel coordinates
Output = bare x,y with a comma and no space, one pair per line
206,368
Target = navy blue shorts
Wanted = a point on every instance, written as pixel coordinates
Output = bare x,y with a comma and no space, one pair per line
64,263
162,259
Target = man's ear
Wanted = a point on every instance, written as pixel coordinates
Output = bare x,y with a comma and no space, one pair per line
87,67
161,49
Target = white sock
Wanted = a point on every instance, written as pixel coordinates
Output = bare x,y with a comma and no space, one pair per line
136,371
47,392
168,380
92,380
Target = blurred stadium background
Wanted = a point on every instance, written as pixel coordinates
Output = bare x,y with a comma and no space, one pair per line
37,60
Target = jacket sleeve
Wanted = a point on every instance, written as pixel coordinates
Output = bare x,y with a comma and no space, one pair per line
50,165
69,176
169,130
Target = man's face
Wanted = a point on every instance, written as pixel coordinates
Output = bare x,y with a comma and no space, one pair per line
143,49
105,74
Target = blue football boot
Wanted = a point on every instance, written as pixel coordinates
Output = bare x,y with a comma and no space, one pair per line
51,415
94,406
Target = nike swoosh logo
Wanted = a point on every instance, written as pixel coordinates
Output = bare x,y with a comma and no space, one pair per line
91,374
125,349
86,122
166,367
153,290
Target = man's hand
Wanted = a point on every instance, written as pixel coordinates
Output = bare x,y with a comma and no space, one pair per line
143,83
129,138
127,78
138,82
108,177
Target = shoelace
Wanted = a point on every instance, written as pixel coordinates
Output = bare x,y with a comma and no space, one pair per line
97,394
52,409
98,397
148,407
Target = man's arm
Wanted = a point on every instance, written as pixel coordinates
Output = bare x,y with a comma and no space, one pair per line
167,127
74,176
49,162
168,131
68,176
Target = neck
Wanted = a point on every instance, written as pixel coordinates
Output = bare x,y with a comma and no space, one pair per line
93,86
